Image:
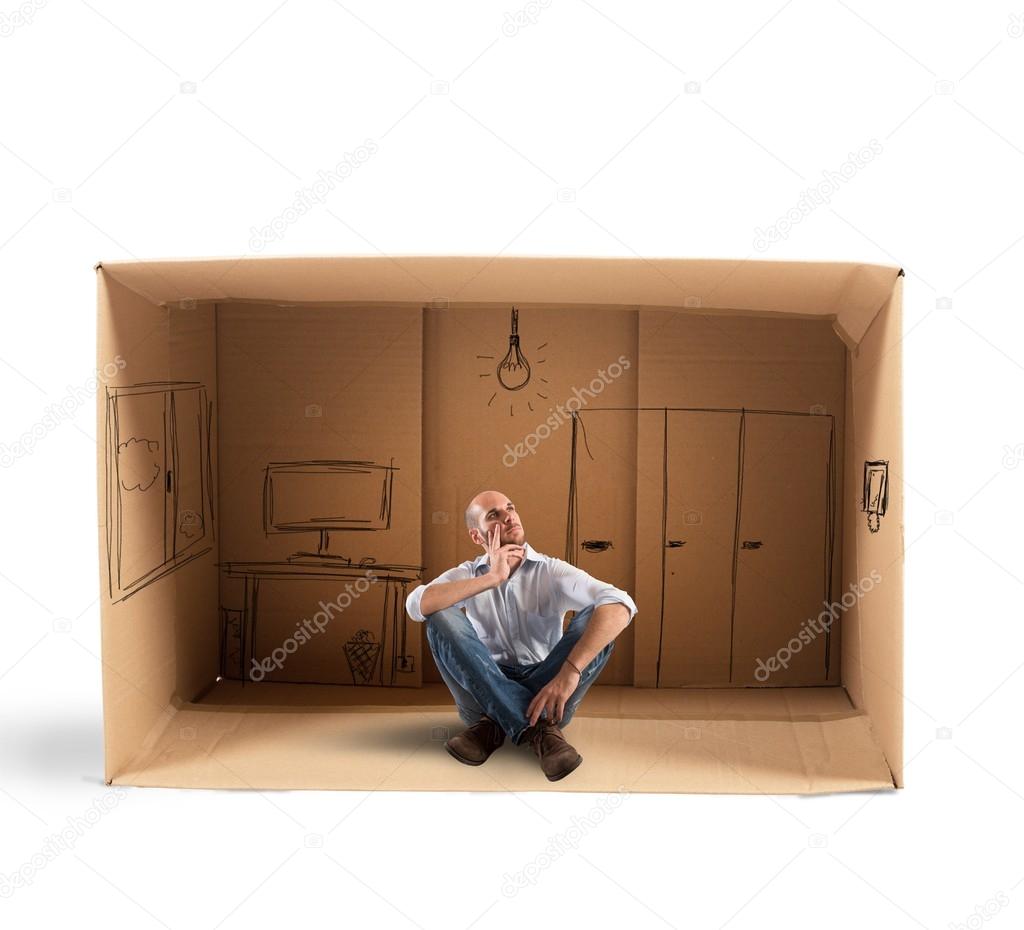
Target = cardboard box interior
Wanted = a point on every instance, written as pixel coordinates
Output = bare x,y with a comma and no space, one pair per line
290,444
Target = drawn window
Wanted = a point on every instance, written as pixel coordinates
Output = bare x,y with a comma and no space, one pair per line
158,482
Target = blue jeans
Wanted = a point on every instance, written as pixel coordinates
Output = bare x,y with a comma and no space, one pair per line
503,692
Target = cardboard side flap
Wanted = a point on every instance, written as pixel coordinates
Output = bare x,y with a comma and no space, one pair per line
872,585
851,291
137,614
866,291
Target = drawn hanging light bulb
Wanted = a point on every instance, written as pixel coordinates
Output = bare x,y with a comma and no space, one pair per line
514,370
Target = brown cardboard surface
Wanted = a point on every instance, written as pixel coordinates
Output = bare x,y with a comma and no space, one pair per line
301,387
714,749
739,477
754,395
158,548
850,292
139,659
875,666
602,700
471,439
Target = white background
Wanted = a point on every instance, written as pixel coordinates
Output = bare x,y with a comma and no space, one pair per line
105,155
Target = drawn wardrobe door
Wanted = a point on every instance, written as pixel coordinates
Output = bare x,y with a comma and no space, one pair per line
783,552
747,554
157,481
702,450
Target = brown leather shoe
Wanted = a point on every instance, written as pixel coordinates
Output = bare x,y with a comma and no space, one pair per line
474,745
557,757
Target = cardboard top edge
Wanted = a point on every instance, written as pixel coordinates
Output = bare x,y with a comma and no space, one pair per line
851,293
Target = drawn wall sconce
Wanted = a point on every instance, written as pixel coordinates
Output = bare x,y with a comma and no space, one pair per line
876,493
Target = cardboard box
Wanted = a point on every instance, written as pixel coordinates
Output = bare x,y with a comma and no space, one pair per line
288,445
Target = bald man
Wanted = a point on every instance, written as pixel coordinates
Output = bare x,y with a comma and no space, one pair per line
494,625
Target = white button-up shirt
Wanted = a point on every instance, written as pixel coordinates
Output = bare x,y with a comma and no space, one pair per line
520,621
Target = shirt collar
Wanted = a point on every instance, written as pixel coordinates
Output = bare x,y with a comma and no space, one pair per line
532,555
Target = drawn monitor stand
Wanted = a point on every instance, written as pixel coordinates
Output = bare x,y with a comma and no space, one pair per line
513,372
159,511
749,535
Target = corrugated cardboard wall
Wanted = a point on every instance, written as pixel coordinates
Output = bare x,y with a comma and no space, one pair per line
323,384
716,622
193,361
873,641
746,560
159,609
473,428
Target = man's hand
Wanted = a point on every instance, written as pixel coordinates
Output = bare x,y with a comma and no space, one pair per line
553,696
499,556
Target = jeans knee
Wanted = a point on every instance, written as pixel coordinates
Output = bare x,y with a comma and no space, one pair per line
445,623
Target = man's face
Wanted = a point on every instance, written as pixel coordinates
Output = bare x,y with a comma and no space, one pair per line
501,512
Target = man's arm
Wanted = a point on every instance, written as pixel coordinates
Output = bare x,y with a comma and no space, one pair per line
450,587
613,611
605,623
441,594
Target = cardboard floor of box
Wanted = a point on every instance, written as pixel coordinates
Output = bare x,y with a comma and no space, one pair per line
715,740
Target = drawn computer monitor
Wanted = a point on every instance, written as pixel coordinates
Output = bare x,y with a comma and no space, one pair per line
325,496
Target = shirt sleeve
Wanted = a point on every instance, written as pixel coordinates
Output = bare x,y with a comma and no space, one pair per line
459,573
575,589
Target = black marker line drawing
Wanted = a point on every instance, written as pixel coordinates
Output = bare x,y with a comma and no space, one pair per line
362,652
596,545
875,501
326,496
694,517
357,494
395,580
514,371
158,496
230,643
